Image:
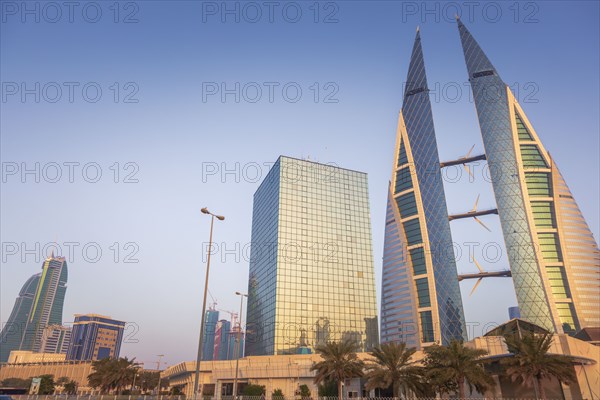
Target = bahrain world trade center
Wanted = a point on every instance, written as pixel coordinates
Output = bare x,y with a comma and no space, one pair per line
553,256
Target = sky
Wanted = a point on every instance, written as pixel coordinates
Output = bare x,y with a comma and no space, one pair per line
121,120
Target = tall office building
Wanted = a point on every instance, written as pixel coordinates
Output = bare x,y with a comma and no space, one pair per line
95,337
208,341
311,262
221,347
513,312
40,304
420,297
56,339
553,255
236,344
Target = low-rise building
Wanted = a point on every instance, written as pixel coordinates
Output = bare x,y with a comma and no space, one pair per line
29,357
74,370
288,372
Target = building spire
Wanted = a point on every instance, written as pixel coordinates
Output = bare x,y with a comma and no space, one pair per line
477,62
416,81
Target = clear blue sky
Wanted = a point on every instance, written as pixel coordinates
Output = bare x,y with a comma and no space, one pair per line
174,137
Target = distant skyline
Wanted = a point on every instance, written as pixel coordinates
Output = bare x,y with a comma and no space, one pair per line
177,146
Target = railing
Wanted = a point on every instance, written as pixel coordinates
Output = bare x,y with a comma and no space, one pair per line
95,397
180,397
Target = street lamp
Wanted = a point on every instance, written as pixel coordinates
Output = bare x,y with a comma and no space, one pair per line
197,376
160,356
239,343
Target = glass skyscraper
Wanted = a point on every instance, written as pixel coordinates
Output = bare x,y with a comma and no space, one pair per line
553,255
40,304
311,264
420,297
221,340
208,341
95,337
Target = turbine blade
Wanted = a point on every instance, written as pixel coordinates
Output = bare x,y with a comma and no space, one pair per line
482,224
469,152
476,202
477,265
466,167
475,287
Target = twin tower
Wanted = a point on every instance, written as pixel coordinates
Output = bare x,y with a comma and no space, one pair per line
554,259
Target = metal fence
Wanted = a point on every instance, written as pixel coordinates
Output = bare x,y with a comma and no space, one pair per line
174,397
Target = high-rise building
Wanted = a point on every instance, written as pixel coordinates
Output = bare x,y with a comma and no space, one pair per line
208,341
420,297
221,347
554,258
311,262
513,312
236,344
95,337
40,304
56,339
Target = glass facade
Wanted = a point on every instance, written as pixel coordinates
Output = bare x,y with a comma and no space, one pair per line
39,305
94,337
208,341
421,300
554,258
311,264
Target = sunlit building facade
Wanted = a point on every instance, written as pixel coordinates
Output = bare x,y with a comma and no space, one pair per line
39,305
95,337
56,339
553,255
311,262
421,302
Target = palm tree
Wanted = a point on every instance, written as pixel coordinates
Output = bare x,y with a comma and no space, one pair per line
450,367
392,365
339,363
112,373
531,363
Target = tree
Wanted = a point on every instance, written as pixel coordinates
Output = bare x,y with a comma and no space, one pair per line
277,394
531,361
450,367
112,374
62,381
328,389
175,391
148,380
70,387
16,383
392,366
46,384
304,391
254,390
340,362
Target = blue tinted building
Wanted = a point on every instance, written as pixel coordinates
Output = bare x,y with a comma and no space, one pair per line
236,344
208,341
221,340
421,302
513,312
95,337
39,305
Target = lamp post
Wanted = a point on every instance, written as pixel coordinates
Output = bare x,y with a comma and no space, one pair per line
239,343
197,375
160,356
